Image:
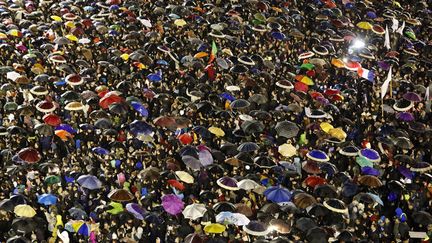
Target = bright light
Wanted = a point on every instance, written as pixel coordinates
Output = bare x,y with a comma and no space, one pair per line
358,44
345,59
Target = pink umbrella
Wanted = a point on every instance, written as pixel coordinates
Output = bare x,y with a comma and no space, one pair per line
172,204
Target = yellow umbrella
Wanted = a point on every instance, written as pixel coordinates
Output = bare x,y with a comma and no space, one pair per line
116,208
338,133
180,22
38,68
76,224
306,80
217,131
214,228
185,177
201,54
125,56
24,210
326,127
15,33
3,36
72,37
56,18
287,150
338,63
74,106
70,24
364,25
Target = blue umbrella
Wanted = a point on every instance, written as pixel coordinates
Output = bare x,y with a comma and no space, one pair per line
367,170
278,35
318,155
370,154
140,127
68,128
162,62
90,182
278,194
154,77
140,108
406,172
47,199
100,151
376,198
227,96
371,14
84,229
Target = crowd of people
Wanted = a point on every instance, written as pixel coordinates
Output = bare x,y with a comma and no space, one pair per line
215,121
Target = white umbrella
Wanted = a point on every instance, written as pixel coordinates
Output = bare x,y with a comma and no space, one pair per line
194,211
232,218
247,184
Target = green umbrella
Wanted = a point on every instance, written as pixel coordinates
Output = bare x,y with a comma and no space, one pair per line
411,35
362,161
307,66
116,208
52,179
10,106
260,17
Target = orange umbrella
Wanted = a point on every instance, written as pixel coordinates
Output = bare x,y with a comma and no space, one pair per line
64,135
176,184
185,138
337,63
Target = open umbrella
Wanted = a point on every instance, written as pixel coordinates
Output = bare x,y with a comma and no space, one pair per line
336,205
232,218
136,210
185,177
318,155
287,129
256,228
247,184
29,155
248,147
422,217
370,181
194,211
172,204
370,154
47,199
90,182
228,183
24,210
304,200
304,224
120,195
277,194
214,228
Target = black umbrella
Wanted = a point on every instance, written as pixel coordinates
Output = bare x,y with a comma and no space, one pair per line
317,235
325,191
304,224
318,210
247,147
422,217
287,129
224,207
24,225
253,126
240,104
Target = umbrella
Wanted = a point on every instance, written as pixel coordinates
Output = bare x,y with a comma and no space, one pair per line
317,234
364,25
24,225
422,217
313,181
280,226
405,116
367,170
116,208
172,204
218,132
90,182
24,210
248,147
287,129
77,213
29,155
185,177
318,155
52,179
287,150
256,228
277,194
411,96
232,218
47,199
214,228
247,184
318,210
349,151
421,167
192,162
363,161
325,191
304,224
303,200
120,195
136,210
370,154
370,181
228,183
403,143
239,104
194,211
336,205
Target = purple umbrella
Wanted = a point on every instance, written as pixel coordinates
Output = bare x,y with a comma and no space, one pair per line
205,157
370,154
411,96
90,182
136,210
140,108
66,127
406,172
100,150
384,65
278,35
369,171
228,183
172,204
405,116
192,162
318,155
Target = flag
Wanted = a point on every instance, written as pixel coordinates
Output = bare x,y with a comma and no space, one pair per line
395,24
427,93
213,52
366,74
387,39
386,83
400,30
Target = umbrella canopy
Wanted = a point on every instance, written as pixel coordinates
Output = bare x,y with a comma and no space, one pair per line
370,154
336,205
228,183
172,204
256,228
277,194
29,155
90,182
194,211
318,155
232,218
287,129
47,199
136,209
214,228
24,210
120,195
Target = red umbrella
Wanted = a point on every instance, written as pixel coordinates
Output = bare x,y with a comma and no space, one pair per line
313,181
165,121
29,155
52,119
176,184
109,99
185,138
299,86
45,106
